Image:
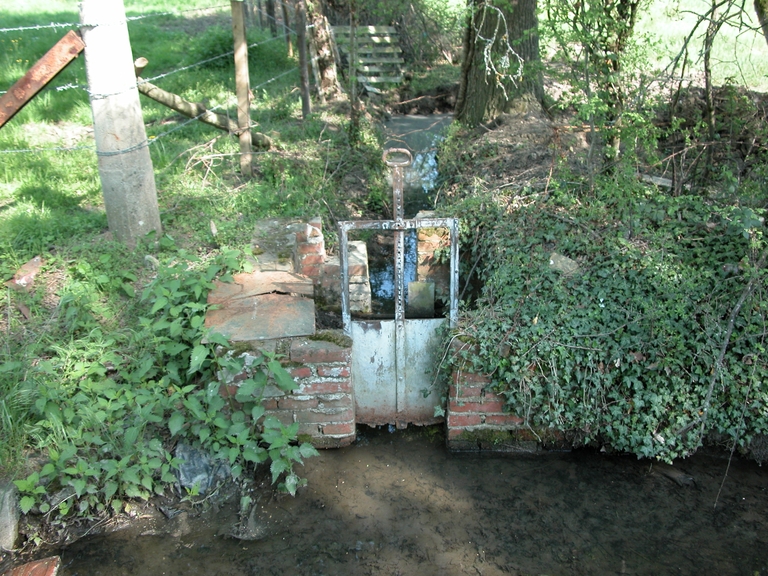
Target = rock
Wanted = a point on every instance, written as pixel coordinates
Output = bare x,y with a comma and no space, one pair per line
9,515
563,264
198,469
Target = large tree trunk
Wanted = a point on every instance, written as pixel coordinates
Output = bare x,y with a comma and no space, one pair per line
501,59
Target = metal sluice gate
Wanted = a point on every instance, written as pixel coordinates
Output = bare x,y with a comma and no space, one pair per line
394,361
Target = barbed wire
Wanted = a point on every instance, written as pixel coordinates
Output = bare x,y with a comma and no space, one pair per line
55,25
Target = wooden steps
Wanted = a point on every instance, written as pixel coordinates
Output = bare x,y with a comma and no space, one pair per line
379,58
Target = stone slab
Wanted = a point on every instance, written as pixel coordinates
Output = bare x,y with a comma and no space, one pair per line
257,283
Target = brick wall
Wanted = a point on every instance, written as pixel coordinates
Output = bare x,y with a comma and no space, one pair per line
324,402
309,250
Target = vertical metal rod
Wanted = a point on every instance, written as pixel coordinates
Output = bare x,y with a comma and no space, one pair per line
397,201
344,261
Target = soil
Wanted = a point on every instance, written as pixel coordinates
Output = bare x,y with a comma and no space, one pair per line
399,503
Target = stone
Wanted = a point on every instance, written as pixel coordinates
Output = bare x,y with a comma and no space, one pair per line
563,264
9,515
198,469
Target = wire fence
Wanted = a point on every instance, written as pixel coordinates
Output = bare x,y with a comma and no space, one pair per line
93,96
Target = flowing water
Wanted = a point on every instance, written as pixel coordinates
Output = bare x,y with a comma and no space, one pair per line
399,503
420,135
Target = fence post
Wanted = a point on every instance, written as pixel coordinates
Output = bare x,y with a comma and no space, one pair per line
125,167
301,40
286,28
242,86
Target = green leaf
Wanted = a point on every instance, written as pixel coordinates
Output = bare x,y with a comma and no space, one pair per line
26,503
110,488
257,412
284,380
199,355
176,423
306,450
159,304
278,467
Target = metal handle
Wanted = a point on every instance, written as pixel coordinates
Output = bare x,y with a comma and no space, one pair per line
391,151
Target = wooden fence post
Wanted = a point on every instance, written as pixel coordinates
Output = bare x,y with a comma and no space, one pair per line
286,27
125,167
242,86
301,39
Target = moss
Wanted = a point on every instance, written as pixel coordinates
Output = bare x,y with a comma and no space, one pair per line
334,336
304,438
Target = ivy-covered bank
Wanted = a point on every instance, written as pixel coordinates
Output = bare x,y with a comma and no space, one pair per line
654,342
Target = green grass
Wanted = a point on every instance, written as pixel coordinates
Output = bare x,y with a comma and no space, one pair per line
740,54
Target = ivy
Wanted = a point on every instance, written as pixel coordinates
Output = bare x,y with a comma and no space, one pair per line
622,352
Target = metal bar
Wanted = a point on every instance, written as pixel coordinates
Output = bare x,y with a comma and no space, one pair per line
454,305
42,72
346,316
393,225
397,201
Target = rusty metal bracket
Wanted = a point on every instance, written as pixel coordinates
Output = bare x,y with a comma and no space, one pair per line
41,73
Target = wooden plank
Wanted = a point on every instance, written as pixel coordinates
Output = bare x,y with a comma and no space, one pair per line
368,40
380,79
41,73
366,60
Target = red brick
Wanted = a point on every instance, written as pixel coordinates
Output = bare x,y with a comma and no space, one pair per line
487,406
346,428
455,420
317,351
346,415
311,270
466,391
302,372
325,387
455,433
293,403
311,259
333,371
311,248
269,404
345,402
504,420
317,223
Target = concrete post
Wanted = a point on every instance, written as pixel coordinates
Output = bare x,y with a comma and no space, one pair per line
125,167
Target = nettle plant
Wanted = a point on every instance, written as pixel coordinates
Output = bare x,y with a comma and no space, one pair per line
110,407
624,352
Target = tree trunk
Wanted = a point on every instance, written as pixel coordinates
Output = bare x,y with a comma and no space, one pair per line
272,17
320,37
287,28
301,39
761,8
501,60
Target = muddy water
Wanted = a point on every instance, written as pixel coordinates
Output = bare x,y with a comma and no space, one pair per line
399,503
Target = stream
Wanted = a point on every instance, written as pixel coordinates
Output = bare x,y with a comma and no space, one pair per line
400,503
397,502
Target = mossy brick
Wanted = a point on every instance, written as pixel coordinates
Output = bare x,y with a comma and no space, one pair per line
504,420
326,415
463,420
470,378
317,352
308,429
297,402
345,402
325,387
487,406
338,429
325,371
466,391
301,372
